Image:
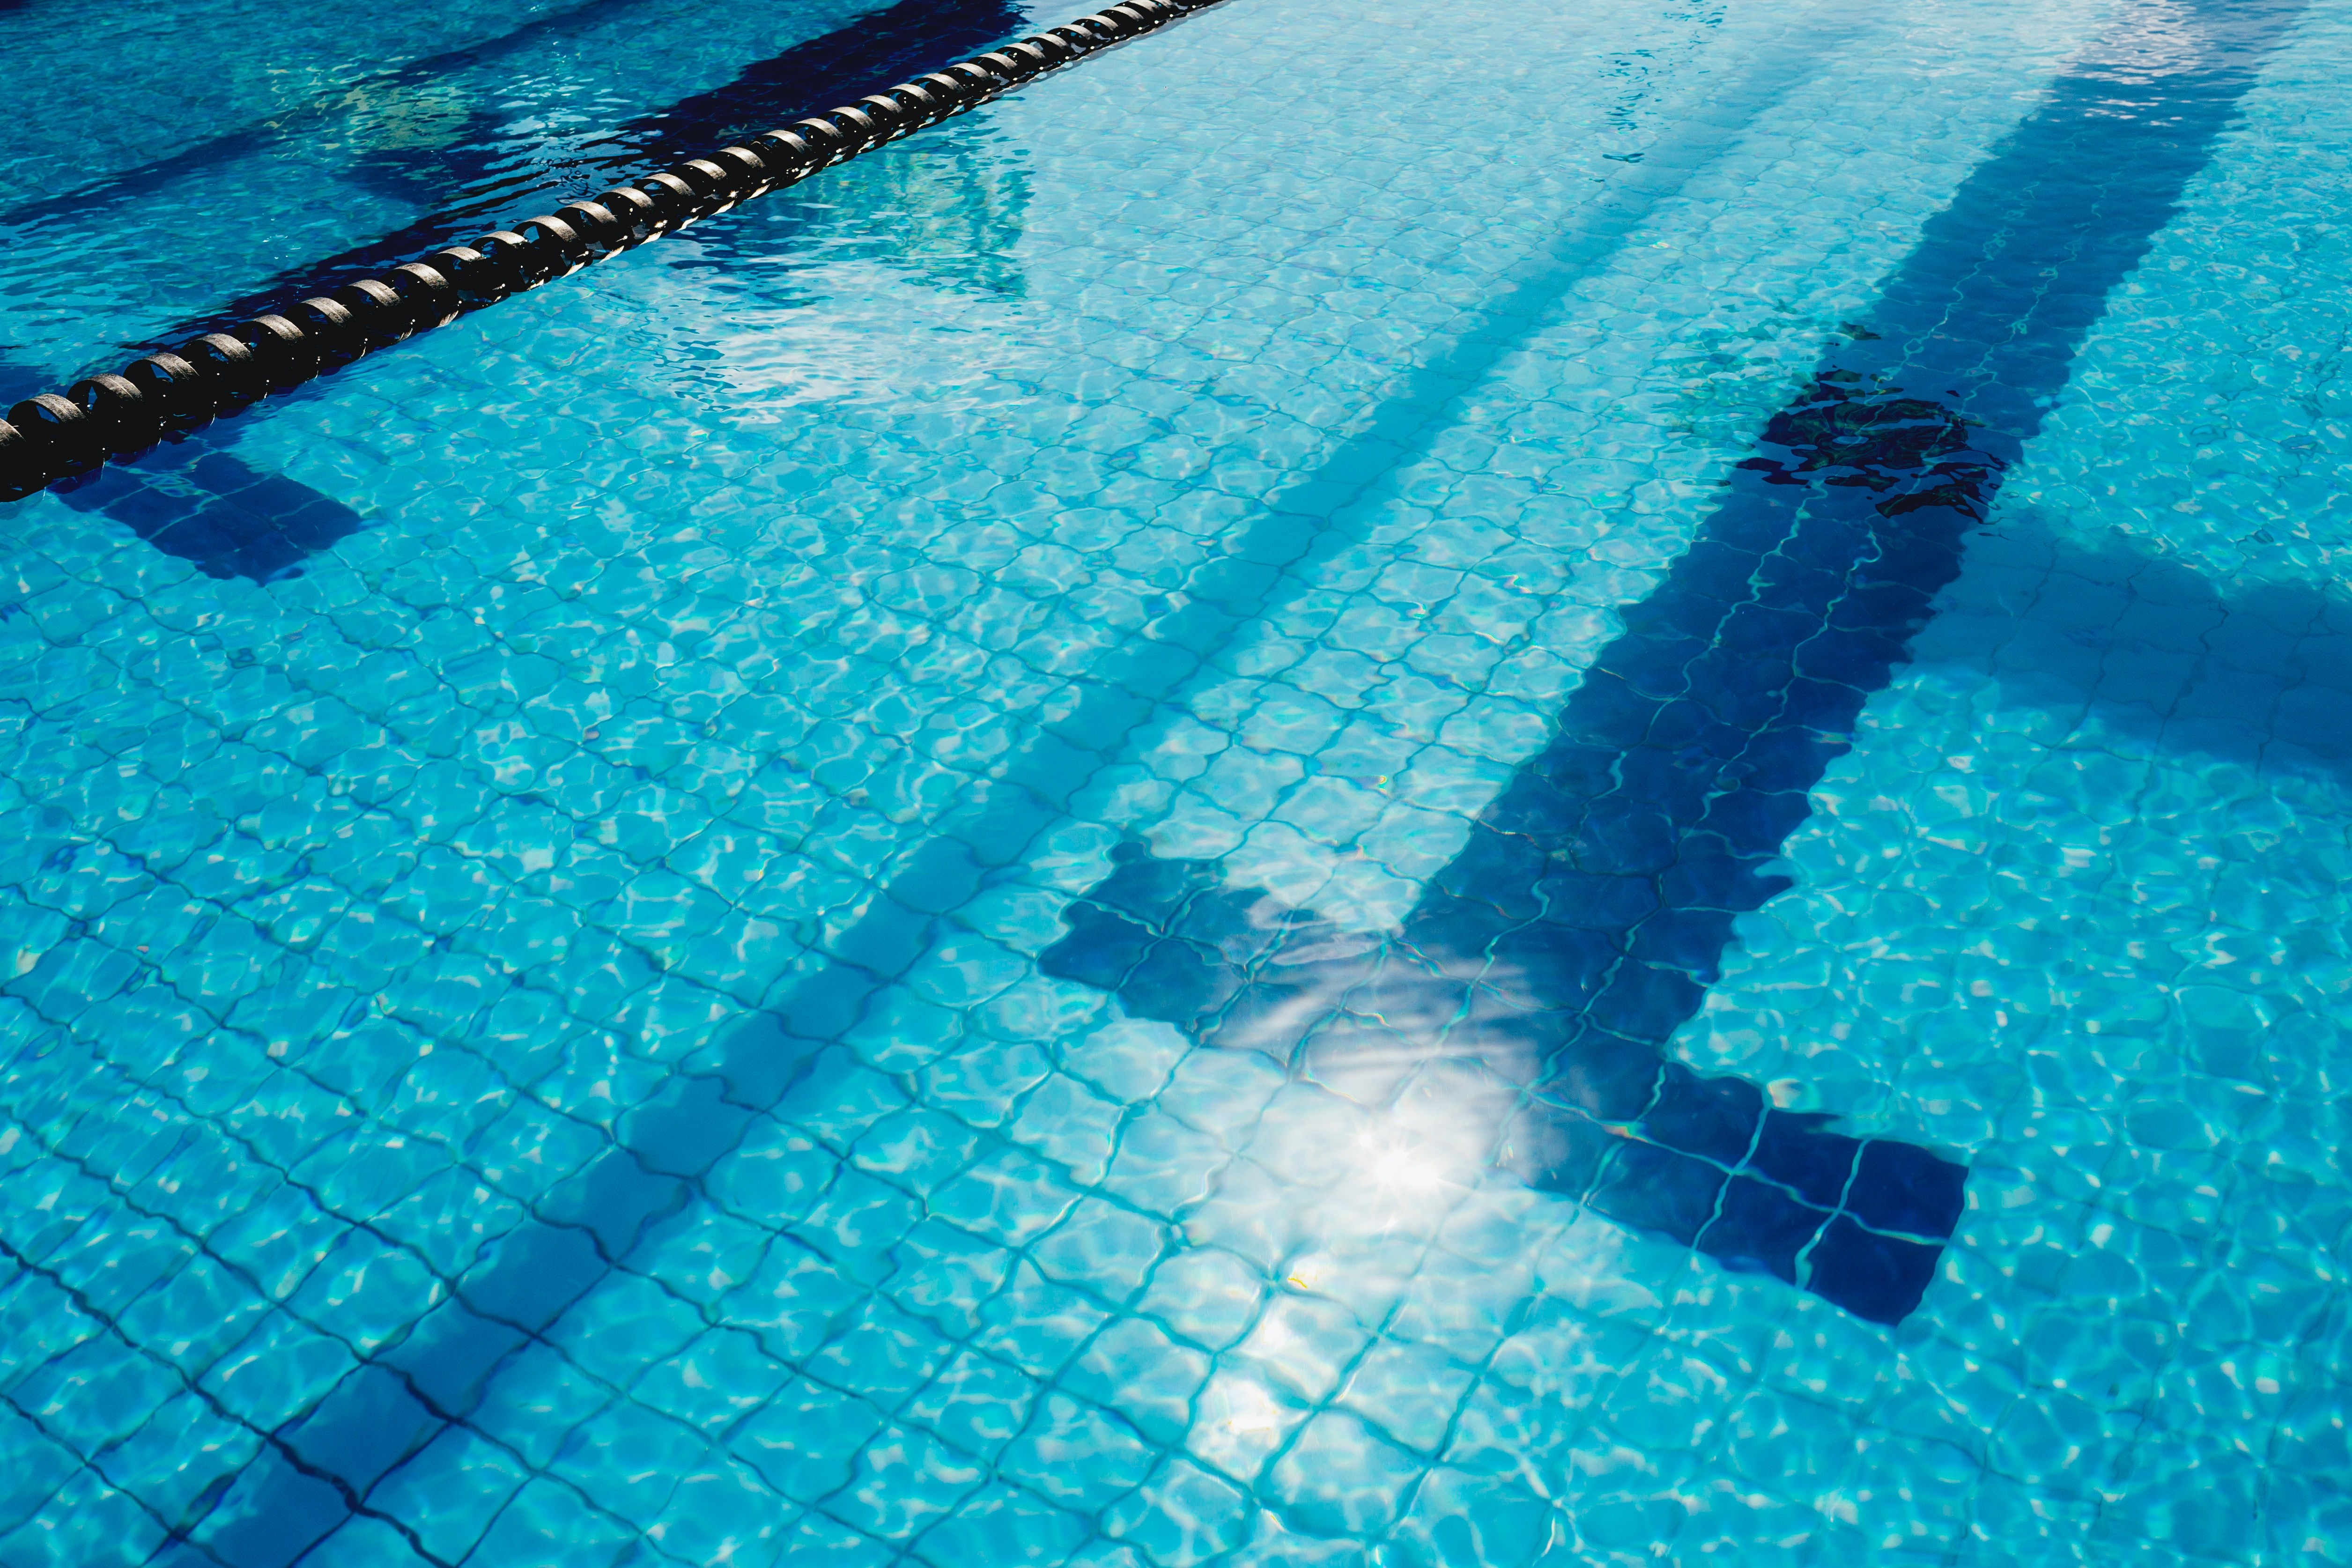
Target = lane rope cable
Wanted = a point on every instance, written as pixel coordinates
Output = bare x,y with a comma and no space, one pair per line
57,436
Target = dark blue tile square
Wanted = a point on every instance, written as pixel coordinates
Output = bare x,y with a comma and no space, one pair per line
200,535
1715,571
367,1424
1707,875
449,1355
1743,695
1556,1151
1537,808
1651,665
1900,1187
1714,1116
1894,608
824,1004
1761,1228
685,1128
1795,1151
1606,714
613,1199
1756,823
1766,635
889,941
1449,929
1681,609
1788,756
1603,1076
527,1277
942,875
1687,939
1878,1279
223,473
1688,728
1756,513
270,1515
1148,889
1575,765
1645,1002
1623,837
1550,965
1102,948
1672,782
1596,902
1824,706
1786,581
1659,1190
1497,869
1857,659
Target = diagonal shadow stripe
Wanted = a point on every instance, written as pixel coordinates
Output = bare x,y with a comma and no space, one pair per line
1591,907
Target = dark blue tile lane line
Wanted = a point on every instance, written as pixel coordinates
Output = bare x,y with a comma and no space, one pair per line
201,502
1591,907
197,500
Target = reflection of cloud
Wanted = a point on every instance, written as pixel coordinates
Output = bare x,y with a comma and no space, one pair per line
946,207
897,274
392,117
2148,40
871,334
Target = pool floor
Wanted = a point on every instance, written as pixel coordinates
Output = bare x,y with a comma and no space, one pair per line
1385,785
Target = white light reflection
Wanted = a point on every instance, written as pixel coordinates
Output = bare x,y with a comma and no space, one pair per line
1419,1066
1241,1424
1399,1167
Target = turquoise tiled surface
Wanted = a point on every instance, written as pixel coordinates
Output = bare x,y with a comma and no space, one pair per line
350,915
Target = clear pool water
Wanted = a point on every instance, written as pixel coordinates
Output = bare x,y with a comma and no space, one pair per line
1385,784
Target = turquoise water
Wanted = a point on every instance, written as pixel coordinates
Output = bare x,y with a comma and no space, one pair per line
577,1014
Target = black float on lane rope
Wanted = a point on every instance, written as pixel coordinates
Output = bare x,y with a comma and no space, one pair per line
53,436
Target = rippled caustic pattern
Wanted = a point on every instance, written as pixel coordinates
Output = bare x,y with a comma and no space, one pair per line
1380,786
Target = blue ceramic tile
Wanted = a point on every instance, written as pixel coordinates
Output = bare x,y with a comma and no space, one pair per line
1580,801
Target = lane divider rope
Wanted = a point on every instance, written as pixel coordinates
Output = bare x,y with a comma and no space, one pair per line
57,436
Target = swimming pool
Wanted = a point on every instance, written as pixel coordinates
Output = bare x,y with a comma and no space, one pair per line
1371,785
